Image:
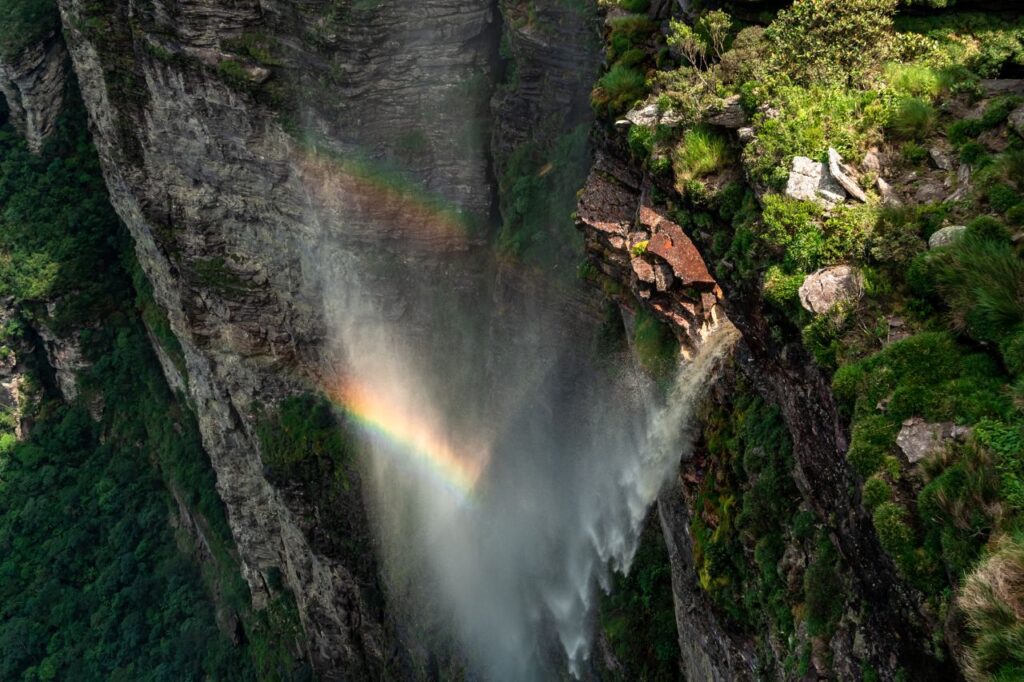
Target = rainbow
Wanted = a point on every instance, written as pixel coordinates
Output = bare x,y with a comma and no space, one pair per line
413,439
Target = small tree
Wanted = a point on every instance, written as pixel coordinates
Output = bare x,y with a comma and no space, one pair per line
704,42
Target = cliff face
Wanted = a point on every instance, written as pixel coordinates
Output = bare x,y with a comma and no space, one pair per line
33,84
253,150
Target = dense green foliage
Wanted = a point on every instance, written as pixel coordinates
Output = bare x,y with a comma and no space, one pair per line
638,616
23,22
938,334
538,195
95,585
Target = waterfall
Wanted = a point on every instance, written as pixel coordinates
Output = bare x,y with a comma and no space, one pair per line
508,470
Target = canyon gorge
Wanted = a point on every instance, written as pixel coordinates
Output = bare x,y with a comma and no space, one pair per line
512,340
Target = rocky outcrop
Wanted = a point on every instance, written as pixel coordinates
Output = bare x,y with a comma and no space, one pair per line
33,84
640,248
945,236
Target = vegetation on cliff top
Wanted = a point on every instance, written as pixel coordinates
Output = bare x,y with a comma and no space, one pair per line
938,334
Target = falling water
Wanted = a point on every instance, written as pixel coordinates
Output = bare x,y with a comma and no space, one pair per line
510,469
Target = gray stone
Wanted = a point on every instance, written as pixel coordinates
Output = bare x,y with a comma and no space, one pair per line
730,114
1016,120
946,236
809,180
663,277
746,134
942,156
889,197
646,115
918,439
872,163
825,289
844,177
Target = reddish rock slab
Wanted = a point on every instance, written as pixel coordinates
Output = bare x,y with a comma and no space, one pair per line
669,242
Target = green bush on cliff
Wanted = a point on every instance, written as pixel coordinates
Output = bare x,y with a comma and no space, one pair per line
303,440
700,152
638,616
618,90
836,42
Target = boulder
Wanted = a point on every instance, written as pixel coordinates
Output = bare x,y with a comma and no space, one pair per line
889,197
646,115
844,176
825,289
919,439
730,114
946,236
809,180
670,243
1016,120
941,155
872,162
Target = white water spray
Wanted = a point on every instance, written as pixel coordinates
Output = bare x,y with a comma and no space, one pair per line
571,458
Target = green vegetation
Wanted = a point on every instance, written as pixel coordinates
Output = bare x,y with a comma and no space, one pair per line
301,441
95,583
638,617
23,22
701,152
538,196
656,348
746,515
938,334
618,89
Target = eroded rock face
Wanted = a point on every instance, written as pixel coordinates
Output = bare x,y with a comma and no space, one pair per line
239,227
640,248
33,84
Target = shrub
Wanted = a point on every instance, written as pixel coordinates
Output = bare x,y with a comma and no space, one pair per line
913,80
1002,197
780,289
831,41
304,440
914,119
876,491
823,590
987,227
700,152
784,218
618,89
872,439
983,282
1011,347
896,238
992,601
894,532
638,6
913,153
22,22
